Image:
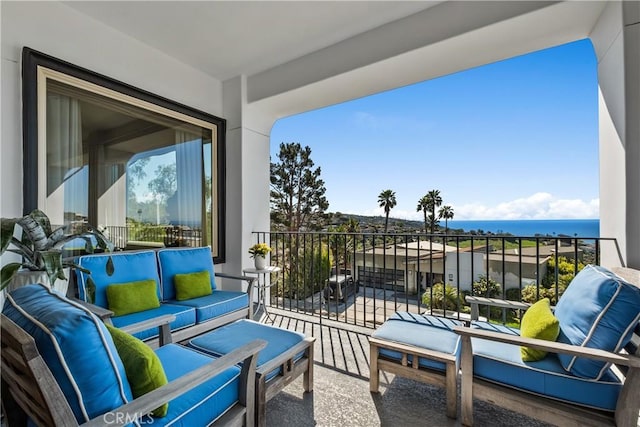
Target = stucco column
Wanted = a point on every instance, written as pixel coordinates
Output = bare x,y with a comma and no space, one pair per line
247,174
631,33
616,40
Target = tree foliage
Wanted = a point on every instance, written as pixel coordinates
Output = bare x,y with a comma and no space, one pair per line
165,182
297,191
443,297
306,271
428,204
446,213
387,201
343,243
566,271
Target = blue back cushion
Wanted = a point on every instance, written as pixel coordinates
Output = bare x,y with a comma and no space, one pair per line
128,267
597,310
180,261
76,347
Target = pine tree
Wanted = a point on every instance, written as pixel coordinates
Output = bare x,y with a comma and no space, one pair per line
297,192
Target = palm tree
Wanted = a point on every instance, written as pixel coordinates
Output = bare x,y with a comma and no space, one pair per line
423,205
434,200
446,212
387,200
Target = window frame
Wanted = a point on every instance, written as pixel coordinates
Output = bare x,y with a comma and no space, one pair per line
34,92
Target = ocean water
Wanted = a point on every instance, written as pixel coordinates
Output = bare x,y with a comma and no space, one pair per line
531,227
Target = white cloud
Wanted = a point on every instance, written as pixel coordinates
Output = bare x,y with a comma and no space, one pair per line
537,206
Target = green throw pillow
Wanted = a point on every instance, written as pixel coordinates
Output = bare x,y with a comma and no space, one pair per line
192,285
132,297
538,322
142,366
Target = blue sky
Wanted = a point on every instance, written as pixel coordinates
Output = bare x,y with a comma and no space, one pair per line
516,139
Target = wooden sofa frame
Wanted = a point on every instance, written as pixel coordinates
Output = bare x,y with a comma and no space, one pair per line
627,413
290,370
29,389
447,379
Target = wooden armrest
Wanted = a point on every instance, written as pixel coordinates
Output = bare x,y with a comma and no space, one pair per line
551,346
165,319
289,354
161,322
101,312
413,350
495,302
232,276
150,401
247,279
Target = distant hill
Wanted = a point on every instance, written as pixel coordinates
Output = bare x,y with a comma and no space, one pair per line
370,224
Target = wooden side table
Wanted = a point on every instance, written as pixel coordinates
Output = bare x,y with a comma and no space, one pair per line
262,287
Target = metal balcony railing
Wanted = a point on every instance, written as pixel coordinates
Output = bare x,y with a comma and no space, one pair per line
362,278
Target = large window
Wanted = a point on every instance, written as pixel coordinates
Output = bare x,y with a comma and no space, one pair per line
146,170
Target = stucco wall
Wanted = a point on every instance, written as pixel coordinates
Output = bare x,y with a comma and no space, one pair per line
62,32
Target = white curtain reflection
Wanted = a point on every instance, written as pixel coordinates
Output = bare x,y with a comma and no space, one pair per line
189,178
66,177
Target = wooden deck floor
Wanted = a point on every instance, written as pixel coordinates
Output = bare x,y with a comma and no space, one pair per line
341,347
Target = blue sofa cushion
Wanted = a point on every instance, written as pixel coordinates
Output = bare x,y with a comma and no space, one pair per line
128,267
502,363
217,304
598,310
76,347
420,330
183,260
227,338
203,404
185,316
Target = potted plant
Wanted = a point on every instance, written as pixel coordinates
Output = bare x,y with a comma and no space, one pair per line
41,247
259,252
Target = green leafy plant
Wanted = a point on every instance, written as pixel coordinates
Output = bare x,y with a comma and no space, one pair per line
443,297
259,249
41,247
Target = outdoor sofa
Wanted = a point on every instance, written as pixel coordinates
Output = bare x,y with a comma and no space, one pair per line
591,373
130,287
62,366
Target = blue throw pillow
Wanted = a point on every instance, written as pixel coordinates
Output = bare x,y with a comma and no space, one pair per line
597,310
180,261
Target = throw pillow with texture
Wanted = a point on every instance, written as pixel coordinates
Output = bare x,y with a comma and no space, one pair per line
192,285
142,366
132,297
538,322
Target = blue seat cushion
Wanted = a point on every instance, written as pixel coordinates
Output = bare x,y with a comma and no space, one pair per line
185,316
502,363
229,337
597,310
420,330
128,267
217,304
76,347
203,404
180,261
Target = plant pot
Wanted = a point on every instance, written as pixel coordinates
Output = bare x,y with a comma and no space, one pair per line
260,262
27,277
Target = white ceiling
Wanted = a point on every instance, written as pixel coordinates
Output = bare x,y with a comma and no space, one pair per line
230,38
301,55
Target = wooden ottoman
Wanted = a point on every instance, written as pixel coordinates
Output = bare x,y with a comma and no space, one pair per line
419,347
287,355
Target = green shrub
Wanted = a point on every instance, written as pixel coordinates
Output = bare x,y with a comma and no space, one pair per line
486,287
443,297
